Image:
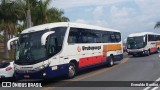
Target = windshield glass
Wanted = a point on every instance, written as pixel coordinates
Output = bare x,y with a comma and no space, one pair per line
135,42
29,49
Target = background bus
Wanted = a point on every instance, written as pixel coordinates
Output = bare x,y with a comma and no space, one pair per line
55,49
143,43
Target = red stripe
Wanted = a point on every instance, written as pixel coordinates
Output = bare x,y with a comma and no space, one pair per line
153,49
87,61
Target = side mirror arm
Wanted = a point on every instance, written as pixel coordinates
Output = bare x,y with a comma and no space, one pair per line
44,37
9,42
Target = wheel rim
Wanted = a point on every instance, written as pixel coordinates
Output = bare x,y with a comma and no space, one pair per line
111,62
71,71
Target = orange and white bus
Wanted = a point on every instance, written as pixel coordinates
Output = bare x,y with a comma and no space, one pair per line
55,49
143,43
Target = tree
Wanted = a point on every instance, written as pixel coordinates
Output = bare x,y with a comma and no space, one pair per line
11,13
8,18
157,25
42,14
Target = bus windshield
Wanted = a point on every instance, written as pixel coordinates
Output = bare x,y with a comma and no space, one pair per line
135,42
29,49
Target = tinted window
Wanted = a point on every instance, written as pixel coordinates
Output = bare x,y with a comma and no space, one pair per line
79,35
157,37
151,38
113,37
106,38
91,36
74,36
59,33
118,36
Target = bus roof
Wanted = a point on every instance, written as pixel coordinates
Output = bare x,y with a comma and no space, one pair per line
141,34
65,24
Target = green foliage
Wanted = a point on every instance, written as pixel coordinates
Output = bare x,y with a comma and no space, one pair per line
1,36
157,25
11,13
42,14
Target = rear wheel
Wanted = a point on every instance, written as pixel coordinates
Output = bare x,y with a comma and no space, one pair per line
157,50
111,61
71,70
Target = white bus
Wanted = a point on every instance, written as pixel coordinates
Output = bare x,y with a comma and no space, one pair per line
143,43
64,48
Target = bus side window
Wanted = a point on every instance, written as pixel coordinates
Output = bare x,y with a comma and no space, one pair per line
113,38
74,36
117,37
52,45
106,37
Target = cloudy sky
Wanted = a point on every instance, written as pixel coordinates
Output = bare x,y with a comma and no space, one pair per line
128,16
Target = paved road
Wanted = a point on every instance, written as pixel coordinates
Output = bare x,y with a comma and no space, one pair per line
130,69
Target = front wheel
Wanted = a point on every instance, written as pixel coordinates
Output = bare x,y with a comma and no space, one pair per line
148,53
134,55
71,70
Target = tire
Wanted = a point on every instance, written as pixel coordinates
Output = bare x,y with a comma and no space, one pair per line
148,53
134,55
111,61
71,70
157,50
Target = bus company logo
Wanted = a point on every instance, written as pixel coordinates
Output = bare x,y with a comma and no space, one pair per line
79,49
91,48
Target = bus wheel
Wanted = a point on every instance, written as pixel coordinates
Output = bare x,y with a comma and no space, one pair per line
148,53
71,70
111,61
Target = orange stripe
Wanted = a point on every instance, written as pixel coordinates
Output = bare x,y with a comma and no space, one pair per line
158,43
112,47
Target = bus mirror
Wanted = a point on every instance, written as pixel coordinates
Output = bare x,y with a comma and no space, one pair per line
144,39
9,42
44,37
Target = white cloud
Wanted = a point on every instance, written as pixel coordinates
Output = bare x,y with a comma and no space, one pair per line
121,12
81,21
121,16
97,22
98,12
140,16
101,23
77,3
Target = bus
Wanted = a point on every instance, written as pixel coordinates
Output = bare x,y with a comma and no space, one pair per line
64,48
143,43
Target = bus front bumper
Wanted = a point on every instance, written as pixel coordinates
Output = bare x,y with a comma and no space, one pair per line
44,73
137,52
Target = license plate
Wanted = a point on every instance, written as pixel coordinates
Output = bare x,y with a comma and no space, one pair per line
26,76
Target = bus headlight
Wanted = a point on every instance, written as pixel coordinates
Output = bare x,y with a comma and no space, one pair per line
44,74
54,67
41,67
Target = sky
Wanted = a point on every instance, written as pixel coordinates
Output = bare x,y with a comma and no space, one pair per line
128,16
